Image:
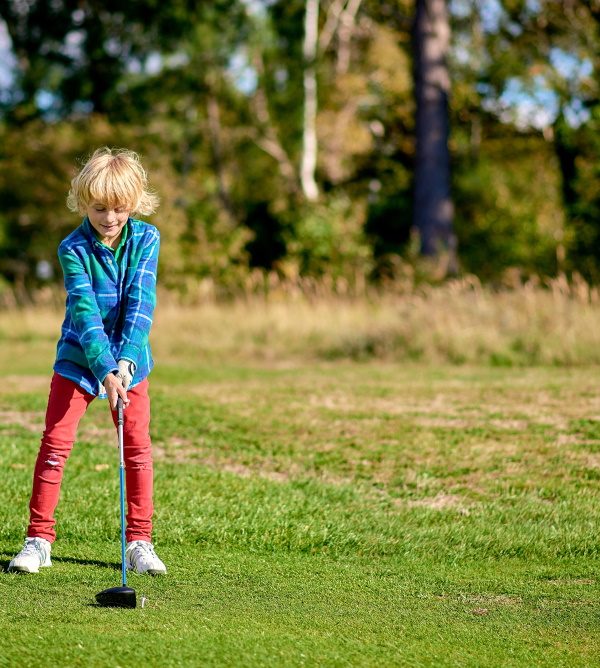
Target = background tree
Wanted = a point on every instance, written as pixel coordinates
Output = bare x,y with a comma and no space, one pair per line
309,134
212,95
433,208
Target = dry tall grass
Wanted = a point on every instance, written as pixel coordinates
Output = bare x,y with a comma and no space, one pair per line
460,322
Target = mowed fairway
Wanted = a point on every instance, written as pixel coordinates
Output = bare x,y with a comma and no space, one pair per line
319,514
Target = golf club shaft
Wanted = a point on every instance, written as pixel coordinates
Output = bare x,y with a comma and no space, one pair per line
121,486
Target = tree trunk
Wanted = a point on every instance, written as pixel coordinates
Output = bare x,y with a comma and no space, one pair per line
433,208
309,139
267,135
214,129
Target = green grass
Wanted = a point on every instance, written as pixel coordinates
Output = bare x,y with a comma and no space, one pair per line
321,514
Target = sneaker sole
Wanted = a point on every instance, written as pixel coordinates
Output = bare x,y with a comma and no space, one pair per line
25,569
21,569
150,571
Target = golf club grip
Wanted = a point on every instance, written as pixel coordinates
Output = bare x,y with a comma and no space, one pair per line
120,410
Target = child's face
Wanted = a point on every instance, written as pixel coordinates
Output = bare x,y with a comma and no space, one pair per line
108,221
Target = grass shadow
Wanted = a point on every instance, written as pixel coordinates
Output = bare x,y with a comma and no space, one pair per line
4,562
87,562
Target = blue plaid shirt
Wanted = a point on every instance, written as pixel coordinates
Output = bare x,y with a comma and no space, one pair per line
110,304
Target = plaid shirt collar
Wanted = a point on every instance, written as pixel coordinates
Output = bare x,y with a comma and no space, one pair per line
89,233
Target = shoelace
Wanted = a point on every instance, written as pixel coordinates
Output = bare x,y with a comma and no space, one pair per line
146,549
33,547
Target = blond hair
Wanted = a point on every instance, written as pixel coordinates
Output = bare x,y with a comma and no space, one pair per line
114,177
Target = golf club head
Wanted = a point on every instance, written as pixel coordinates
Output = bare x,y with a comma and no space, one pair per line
117,597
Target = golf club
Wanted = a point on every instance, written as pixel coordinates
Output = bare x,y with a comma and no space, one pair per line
123,596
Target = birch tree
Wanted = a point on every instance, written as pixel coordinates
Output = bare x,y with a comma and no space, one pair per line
309,135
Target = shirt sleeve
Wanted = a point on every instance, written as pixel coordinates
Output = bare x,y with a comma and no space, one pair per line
141,301
86,316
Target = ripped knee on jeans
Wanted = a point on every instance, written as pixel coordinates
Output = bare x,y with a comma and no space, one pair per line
144,466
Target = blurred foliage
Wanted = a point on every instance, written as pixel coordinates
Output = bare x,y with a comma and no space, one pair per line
211,96
579,152
509,218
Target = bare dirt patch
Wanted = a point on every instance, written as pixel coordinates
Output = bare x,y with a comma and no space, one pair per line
496,599
12,384
95,434
443,422
572,581
188,454
31,420
439,502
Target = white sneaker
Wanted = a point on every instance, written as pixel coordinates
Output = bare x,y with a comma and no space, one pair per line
141,558
35,554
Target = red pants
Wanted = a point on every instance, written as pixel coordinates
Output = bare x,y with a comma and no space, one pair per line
66,405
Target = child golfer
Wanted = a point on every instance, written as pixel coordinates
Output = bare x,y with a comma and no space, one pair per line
109,264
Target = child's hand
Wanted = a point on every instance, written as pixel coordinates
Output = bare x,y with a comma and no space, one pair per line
114,390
